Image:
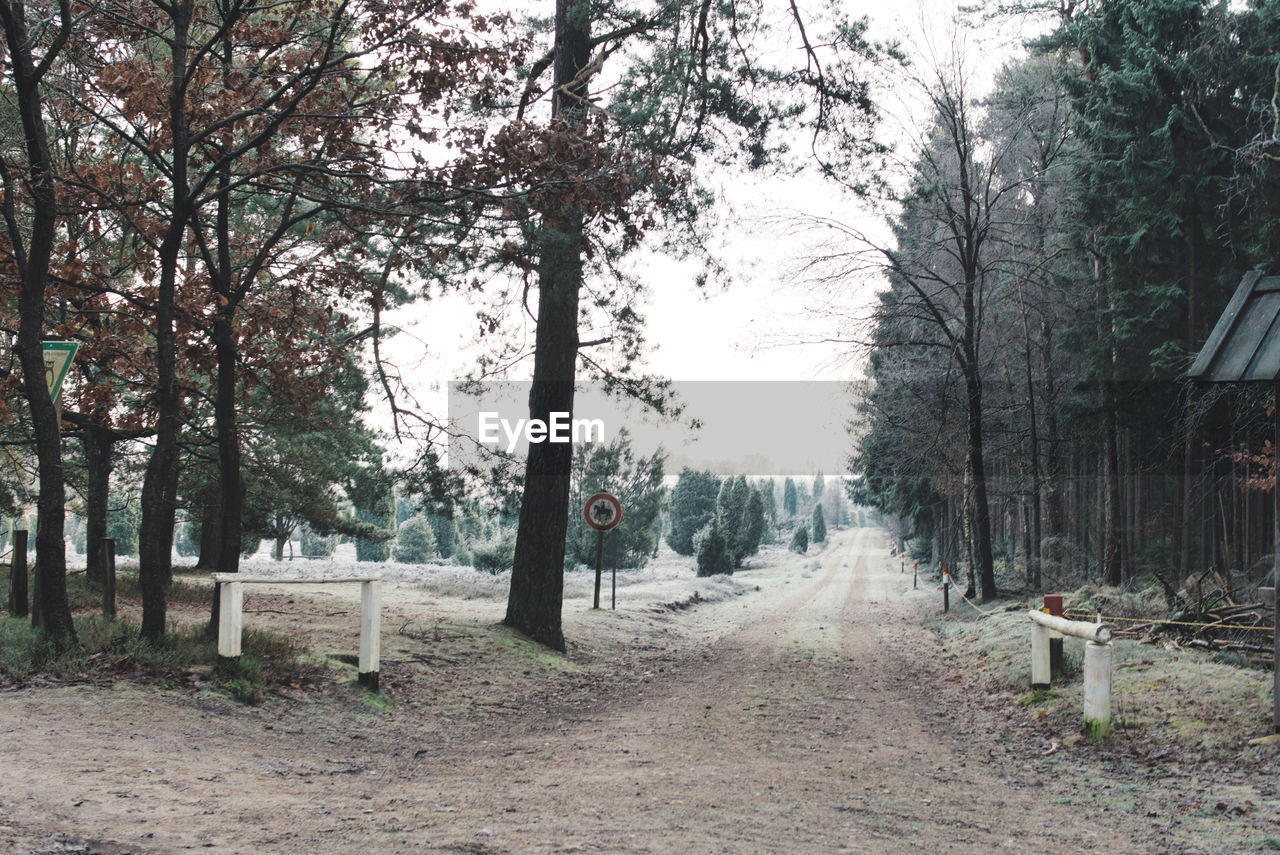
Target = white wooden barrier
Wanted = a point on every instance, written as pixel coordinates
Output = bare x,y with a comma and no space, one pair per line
1097,663
231,615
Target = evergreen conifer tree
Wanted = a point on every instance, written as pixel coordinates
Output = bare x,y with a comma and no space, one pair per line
819,525
416,542
693,504
765,488
445,528
713,551
800,540
380,513
754,526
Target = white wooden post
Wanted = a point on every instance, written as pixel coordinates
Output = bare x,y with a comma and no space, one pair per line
370,632
230,617
1097,688
1040,676
1097,664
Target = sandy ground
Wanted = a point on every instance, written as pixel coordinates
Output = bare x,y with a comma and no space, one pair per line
792,715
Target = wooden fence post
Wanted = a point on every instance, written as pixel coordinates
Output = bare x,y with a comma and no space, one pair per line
18,575
1097,688
1053,605
1041,674
371,633
230,618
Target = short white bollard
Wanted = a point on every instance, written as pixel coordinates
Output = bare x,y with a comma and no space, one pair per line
1097,688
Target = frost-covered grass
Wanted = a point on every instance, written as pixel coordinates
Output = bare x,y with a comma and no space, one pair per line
451,580
1161,693
448,580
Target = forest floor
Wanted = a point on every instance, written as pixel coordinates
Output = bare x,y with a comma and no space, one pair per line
801,706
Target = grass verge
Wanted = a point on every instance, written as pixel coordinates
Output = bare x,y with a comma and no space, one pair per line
1165,697
111,651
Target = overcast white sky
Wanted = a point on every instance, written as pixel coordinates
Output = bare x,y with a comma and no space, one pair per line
733,333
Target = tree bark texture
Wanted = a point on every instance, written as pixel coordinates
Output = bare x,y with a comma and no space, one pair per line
1112,512
983,553
210,529
537,577
228,430
50,610
98,445
227,352
159,486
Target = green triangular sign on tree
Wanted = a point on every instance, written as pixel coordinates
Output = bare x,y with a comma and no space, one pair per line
57,360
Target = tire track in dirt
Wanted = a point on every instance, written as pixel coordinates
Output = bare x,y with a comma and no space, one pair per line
796,734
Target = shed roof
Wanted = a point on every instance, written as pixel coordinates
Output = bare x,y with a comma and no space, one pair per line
1245,343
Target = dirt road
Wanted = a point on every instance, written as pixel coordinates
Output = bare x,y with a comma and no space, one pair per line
792,719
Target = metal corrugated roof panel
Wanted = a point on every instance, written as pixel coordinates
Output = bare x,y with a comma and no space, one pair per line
1245,343
1265,364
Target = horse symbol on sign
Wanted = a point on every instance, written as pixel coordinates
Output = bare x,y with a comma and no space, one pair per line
602,511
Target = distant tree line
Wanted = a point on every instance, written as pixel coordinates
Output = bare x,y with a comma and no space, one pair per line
724,521
1060,252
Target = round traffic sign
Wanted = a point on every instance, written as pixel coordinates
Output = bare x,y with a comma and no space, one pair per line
602,511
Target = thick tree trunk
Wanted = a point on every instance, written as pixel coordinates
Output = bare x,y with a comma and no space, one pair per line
1032,508
1024,519
537,579
981,510
537,576
50,610
155,536
971,583
227,353
98,444
1190,230
937,542
231,504
1186,505
1053,491
1113,513
210,530
159,485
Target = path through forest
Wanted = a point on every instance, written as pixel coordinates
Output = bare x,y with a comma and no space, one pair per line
792,719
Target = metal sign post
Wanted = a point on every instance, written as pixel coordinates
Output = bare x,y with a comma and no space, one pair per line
602,512
614,603
595,604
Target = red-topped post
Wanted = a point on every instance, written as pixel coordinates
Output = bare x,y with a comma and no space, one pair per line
1053,605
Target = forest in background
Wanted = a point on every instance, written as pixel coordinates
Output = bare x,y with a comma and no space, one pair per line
1063,247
